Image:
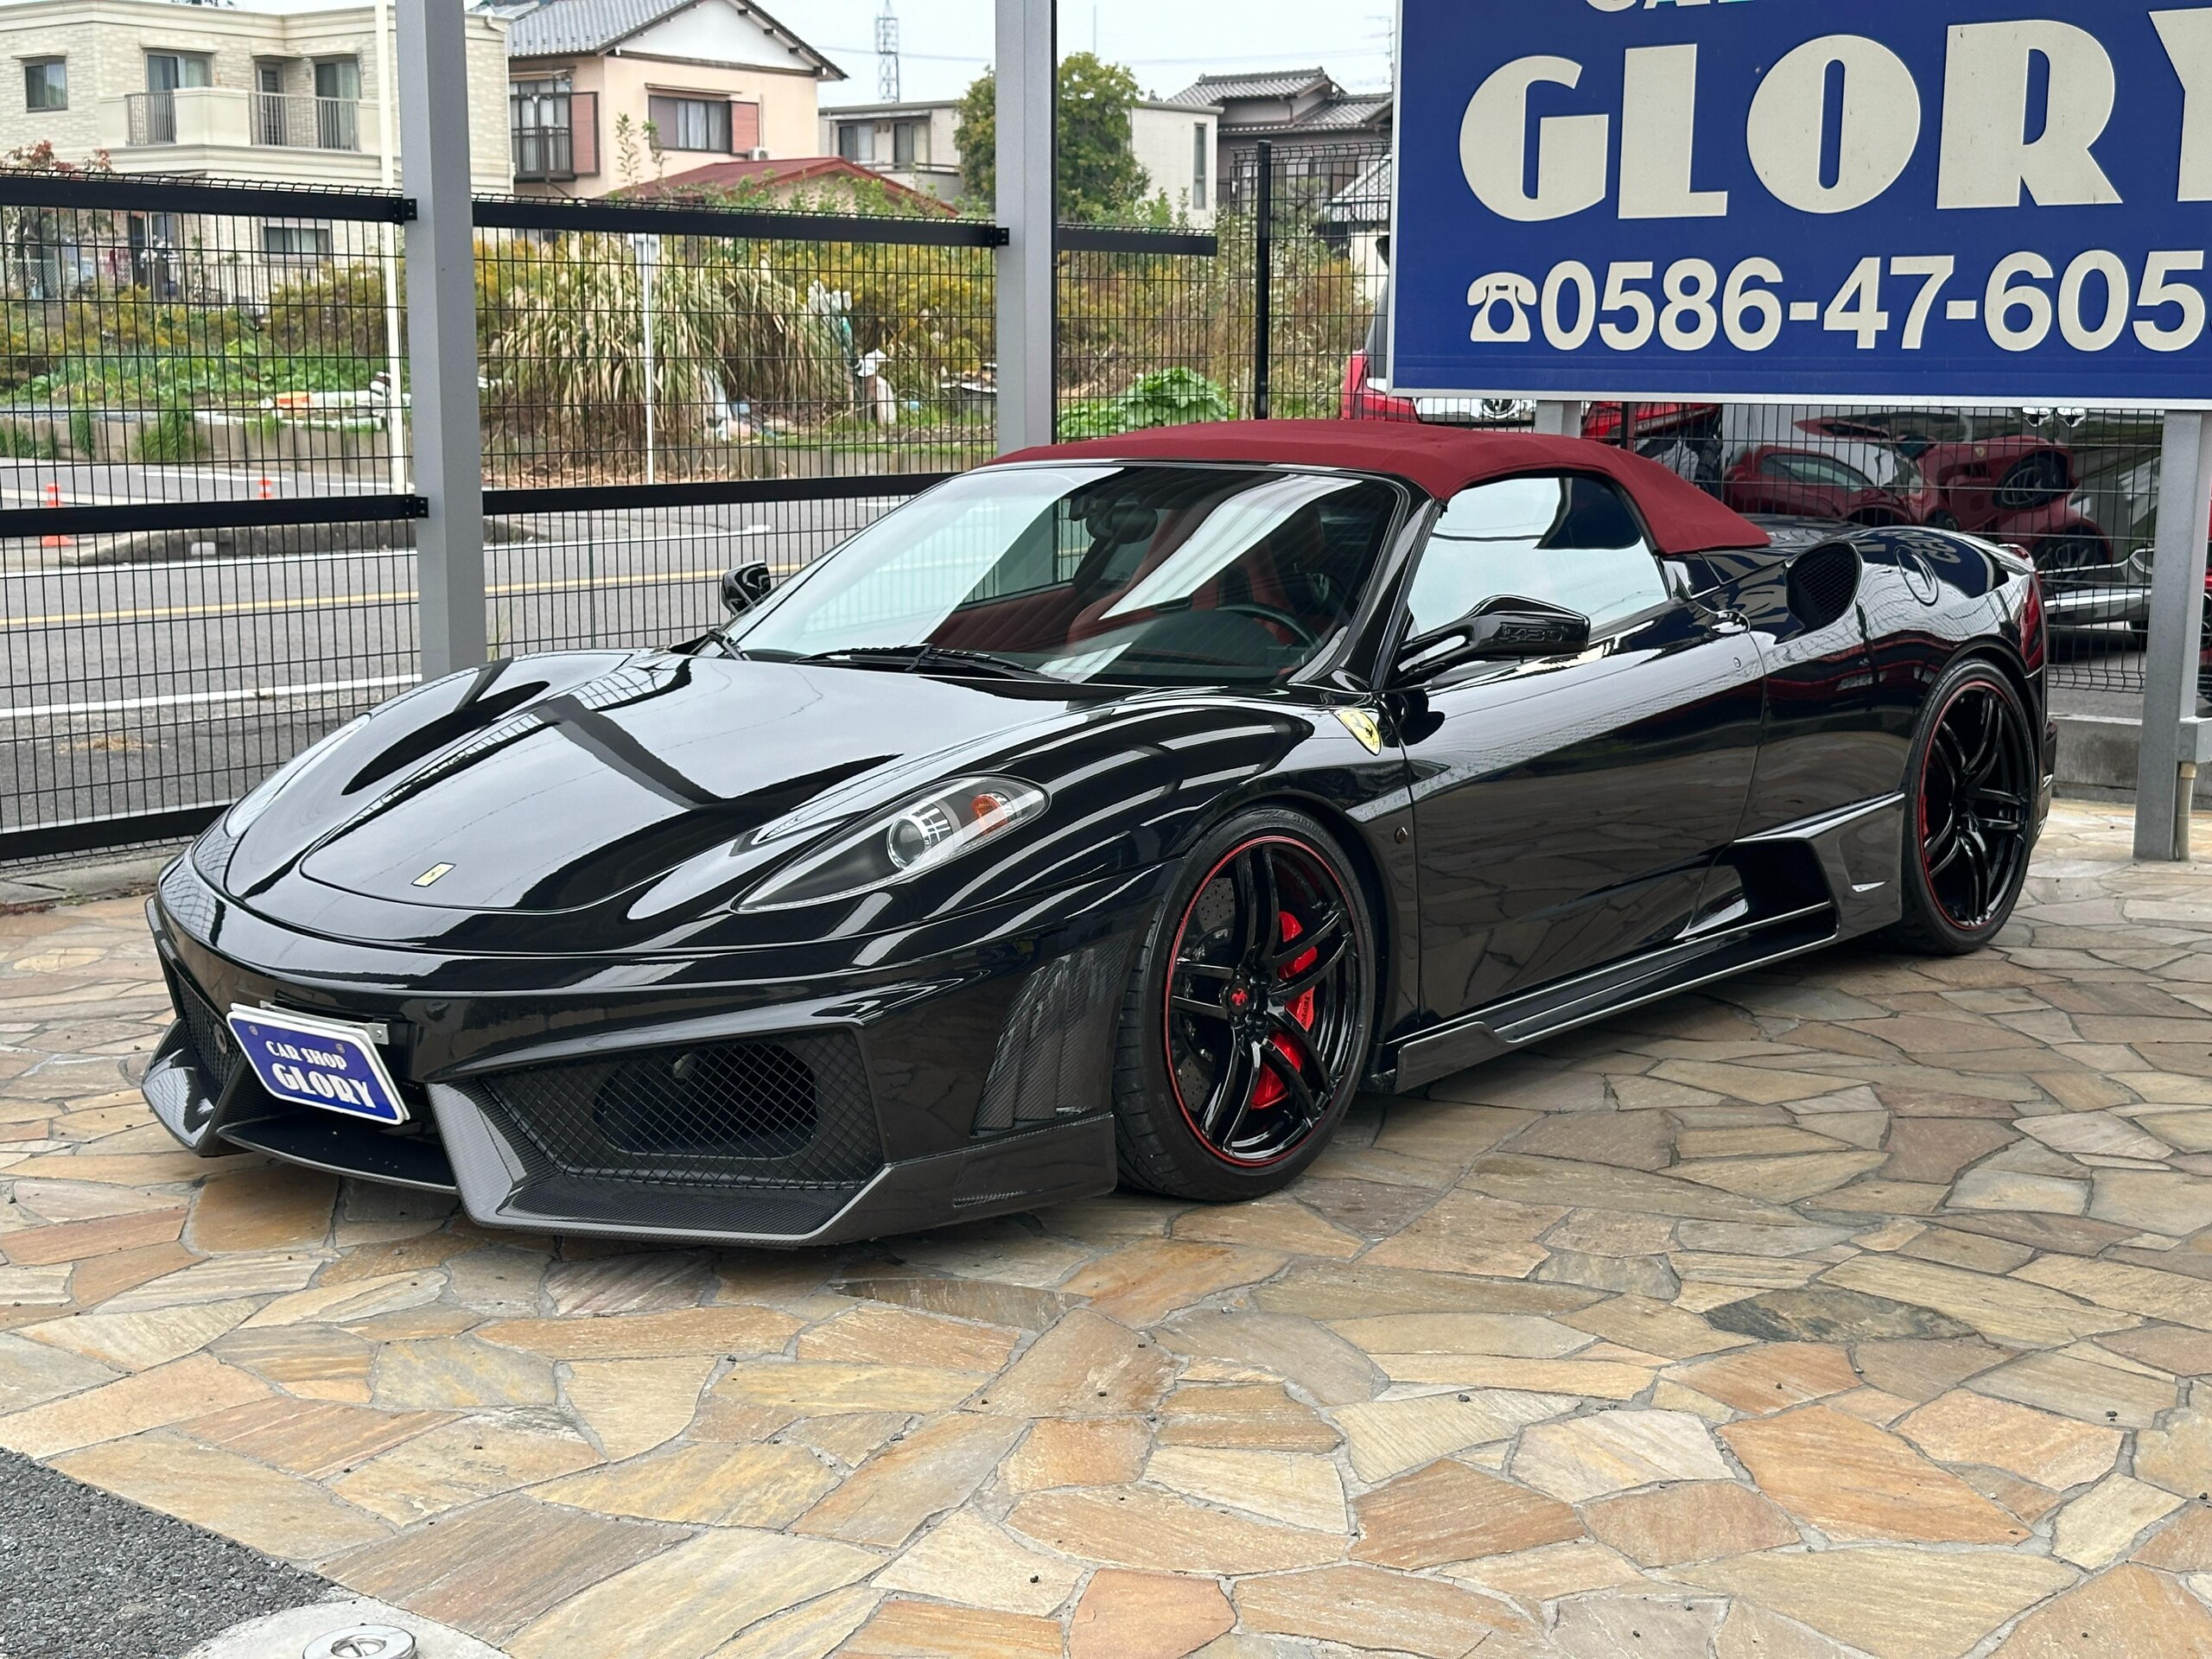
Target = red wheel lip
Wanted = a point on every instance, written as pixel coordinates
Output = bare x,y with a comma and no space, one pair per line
1167,1008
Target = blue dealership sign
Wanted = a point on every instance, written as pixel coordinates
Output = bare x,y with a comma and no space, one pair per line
1894,201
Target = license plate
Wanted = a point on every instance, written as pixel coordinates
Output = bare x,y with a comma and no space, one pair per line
325,1063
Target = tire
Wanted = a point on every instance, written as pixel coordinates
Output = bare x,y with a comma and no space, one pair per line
1231,1075
1970,801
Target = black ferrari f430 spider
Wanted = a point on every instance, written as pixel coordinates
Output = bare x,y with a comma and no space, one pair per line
1114,813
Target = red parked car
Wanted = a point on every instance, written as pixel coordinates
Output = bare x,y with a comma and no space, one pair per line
2017,490
1867,484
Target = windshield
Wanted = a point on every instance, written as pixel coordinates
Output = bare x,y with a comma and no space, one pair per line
1144,576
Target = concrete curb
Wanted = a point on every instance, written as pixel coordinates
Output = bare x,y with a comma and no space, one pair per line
41,888
286,1635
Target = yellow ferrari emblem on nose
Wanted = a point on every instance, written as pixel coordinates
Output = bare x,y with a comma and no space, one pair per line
1361,725
435,875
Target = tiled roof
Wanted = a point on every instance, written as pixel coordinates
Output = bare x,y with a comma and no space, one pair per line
764,176
1358,110
561,28
1285,83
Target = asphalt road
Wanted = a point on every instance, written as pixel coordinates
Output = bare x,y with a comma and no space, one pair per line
134,687
87,1576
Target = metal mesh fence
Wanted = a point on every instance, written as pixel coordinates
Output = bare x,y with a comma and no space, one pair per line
142,688
189,343
624,578
639,344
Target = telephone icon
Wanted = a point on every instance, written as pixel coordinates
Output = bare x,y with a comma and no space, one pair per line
1501,302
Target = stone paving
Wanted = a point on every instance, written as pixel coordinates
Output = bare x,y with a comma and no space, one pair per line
1860,1309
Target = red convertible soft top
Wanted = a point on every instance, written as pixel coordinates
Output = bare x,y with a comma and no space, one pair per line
1440,460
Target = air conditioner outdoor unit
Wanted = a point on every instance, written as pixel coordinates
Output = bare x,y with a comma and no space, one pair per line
756,155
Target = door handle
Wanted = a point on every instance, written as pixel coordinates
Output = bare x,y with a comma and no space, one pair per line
1730,622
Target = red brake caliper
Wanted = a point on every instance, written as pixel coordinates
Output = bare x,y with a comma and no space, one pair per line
1270,1089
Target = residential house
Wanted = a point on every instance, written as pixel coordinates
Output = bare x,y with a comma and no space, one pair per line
918,144
284,91
1323,137
608,93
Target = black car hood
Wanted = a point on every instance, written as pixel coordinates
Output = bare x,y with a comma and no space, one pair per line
539,788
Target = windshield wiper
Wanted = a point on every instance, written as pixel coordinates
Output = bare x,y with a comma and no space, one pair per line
914,659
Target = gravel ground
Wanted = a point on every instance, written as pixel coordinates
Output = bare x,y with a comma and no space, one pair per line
87,1576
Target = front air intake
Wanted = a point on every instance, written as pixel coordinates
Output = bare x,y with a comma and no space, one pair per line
791,1111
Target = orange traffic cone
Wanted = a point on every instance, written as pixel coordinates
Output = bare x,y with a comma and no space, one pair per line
265,490
54,502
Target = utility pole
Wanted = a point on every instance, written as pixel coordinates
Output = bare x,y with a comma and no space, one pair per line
886,55
1027,76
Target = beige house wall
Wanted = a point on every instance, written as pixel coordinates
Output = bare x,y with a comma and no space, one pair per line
625,83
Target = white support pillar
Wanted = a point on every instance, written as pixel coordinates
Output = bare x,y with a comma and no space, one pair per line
2170,725
1027,75
442,364
1560,420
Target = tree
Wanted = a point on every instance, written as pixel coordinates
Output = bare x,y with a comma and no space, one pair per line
1099,178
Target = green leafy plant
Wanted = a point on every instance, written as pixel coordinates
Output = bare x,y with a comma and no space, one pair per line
1167,397
173,435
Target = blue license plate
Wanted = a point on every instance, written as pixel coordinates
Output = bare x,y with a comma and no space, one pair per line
325,1063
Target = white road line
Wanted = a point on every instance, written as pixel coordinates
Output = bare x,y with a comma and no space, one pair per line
201,699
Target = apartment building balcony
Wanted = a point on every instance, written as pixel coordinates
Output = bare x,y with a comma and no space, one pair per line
230,132
554,140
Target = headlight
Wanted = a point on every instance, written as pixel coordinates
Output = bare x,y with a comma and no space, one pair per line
909,841
240,818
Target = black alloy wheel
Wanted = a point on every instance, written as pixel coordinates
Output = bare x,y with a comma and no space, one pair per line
1971,823
1259,980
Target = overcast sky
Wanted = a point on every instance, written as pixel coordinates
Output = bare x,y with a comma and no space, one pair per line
944,44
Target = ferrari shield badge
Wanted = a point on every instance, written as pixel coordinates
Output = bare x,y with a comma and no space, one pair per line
1363,726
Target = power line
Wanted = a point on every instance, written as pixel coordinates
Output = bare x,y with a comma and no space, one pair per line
1227,66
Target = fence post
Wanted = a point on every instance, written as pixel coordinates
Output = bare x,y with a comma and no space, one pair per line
442,366
1560,420
2170,726
1027,78
1263,283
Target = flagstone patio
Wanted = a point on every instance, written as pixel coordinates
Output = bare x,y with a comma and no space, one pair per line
1863,1308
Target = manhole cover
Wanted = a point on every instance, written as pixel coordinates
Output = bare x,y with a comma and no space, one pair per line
363,1642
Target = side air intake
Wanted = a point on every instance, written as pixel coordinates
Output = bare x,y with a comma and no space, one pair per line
1824,584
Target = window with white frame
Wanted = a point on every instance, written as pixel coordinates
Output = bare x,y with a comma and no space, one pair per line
46,84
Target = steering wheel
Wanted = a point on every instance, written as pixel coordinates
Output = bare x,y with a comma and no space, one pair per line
1300,633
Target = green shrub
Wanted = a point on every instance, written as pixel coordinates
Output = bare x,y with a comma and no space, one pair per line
173,435
1166,398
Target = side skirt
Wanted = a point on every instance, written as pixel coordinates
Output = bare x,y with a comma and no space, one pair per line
1818,882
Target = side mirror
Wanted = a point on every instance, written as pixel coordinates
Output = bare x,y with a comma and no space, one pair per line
746,586
1506,629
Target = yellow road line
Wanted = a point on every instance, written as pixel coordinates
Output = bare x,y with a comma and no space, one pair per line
339,601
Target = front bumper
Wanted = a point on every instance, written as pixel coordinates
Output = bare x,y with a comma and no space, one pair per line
901,1093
